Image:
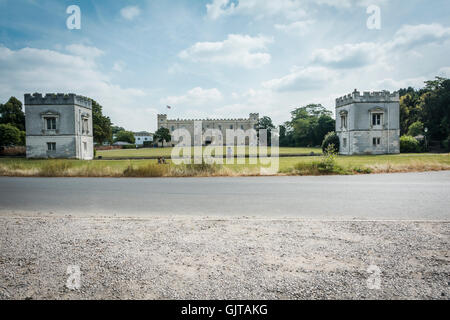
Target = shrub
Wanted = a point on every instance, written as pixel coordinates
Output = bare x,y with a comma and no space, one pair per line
9,135
415,129
331,139
326,165
409,144
126,136
148,144
446,144
129,146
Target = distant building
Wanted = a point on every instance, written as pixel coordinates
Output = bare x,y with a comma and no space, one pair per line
59,126
368,123
141,137
219,124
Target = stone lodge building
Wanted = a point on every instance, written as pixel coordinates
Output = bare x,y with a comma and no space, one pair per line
219,124
59,126
368,123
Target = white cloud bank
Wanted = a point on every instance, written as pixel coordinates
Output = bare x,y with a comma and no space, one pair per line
302,79
30,70
291,9
195,97
237,50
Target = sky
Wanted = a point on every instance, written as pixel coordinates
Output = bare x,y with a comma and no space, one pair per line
219,58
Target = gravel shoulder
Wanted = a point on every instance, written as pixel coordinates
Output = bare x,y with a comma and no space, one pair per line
200,258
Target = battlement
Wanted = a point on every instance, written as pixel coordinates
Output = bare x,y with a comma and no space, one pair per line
163,117
58,99
377,97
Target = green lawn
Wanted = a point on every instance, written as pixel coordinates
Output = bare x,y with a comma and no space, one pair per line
166,152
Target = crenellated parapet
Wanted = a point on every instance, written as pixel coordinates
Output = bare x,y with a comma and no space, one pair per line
372,97
58,99
163,117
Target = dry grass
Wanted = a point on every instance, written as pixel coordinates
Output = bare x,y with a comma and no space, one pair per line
288,166
413,166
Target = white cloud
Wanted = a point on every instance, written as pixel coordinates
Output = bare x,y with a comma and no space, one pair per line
130,12
84,51
119,66
444,72
195,97
350,3
391,84
412,36
236,50
348,55
405,41
297,27
291,9
30,70
301,79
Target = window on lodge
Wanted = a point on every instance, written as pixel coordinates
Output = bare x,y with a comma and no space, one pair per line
376,141
376,119
51,123
51,146
344,122
344,143
85,126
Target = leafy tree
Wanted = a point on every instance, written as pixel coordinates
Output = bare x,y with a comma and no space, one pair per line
415,129
101,123
409,144
430,106
310,124
436,108
10,135
267,124
125,136
162,134
410,110
331,142
116,129
11,112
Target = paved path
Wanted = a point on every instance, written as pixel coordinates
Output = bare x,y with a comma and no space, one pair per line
413,196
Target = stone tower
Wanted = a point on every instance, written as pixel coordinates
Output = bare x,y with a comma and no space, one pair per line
59,126
368,123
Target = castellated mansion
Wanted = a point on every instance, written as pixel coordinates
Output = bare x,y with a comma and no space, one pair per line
59,126
218,124
368,123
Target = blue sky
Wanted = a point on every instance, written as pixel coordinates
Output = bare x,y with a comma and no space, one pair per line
218,58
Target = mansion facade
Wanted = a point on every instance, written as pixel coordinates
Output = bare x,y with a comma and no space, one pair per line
218,124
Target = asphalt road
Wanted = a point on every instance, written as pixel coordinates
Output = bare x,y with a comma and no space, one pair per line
412,196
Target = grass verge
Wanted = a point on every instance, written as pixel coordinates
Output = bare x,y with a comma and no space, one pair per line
288,166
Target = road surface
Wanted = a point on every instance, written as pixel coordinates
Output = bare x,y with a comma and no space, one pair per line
412,196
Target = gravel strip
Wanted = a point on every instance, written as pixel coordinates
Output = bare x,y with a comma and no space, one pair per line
197,258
